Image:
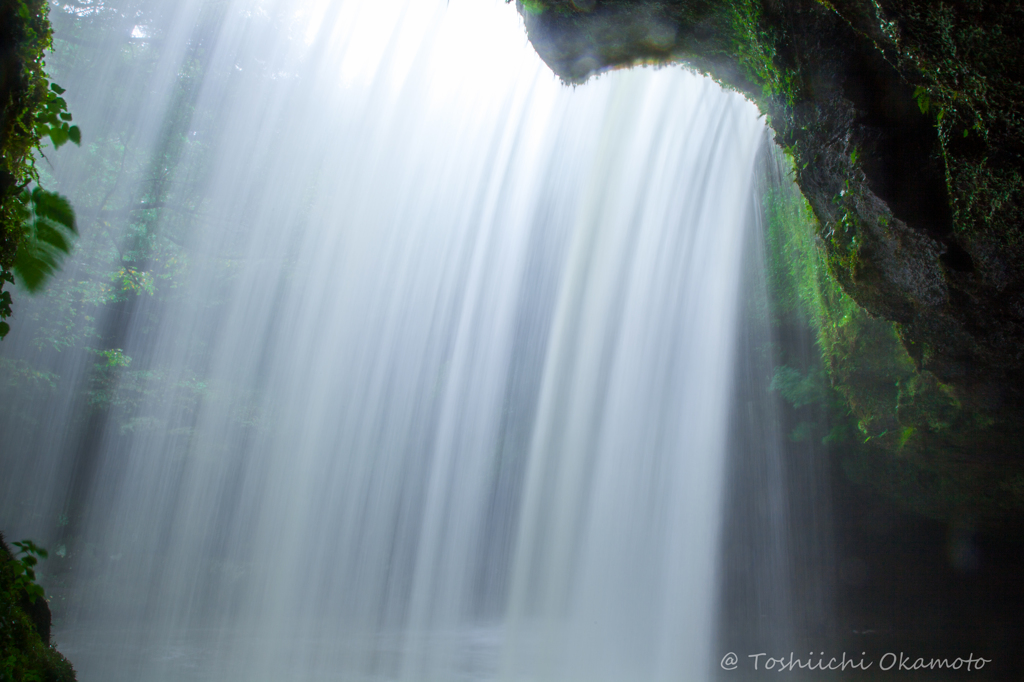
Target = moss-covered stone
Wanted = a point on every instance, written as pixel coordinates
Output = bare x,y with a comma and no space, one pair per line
893,426
26,654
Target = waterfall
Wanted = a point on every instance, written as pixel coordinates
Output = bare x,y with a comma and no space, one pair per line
430,377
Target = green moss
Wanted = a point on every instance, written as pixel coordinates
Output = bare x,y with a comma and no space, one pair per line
896,428
561,7
534,6
964,58
759,47
986,199
24,656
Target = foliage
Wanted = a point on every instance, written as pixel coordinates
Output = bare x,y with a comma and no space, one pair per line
24,572
798,389
24,655
37,227
52,119
49,231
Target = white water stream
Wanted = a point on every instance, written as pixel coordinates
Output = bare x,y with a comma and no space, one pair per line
481,327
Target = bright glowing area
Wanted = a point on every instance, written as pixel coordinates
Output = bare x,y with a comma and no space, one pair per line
312,14
477,52
481,50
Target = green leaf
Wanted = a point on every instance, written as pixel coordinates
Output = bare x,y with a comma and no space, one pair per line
29,547
48,239
58,136
52,235
56,88
4,329
33,268
54,207
34,264
65,116
75,134
34,592
924,101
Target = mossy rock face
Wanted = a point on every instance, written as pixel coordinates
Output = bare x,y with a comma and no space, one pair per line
904,122
891,425
24,37
26,654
